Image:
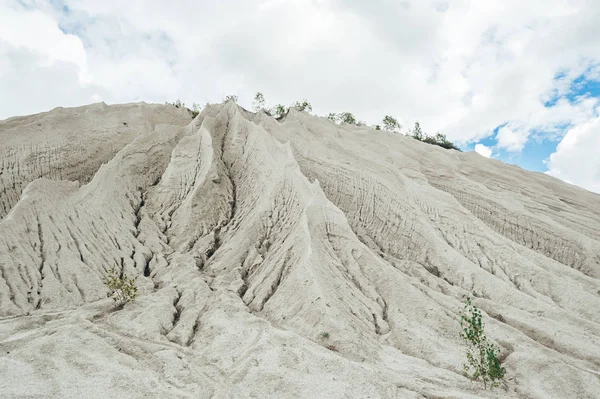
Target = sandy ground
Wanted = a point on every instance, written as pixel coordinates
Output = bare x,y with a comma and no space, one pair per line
250,238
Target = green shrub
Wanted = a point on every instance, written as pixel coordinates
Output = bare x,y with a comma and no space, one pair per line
347,117
177,104
278,111
482,356
439,139
259,102
122,288
391,124
333,117
303,106
180,104
195,110
417,133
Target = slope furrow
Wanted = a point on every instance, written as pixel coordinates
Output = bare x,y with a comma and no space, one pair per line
290,257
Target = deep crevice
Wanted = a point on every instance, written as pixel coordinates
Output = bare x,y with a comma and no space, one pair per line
178,310
285,266
147,267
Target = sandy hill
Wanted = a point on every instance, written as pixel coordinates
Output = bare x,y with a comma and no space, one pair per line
250,238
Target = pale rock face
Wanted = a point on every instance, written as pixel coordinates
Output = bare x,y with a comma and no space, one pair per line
71,143
250,237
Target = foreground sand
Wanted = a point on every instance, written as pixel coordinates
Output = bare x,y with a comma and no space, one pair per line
251,237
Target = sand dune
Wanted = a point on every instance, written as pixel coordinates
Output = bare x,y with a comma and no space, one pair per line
251,237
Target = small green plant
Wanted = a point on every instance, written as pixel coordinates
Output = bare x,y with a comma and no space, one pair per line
122,288
391,124
347,117
259,102
278,111
177,104
195,110
230,97
439,139
417,133
482,356
303,106
325,335
333,117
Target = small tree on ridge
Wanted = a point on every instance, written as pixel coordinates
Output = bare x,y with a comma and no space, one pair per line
259,102
391,124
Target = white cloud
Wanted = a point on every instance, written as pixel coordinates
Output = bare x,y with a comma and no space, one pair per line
547,124
41,67
483,150
30,84
577,156
594,73
464,79
511,139
38,32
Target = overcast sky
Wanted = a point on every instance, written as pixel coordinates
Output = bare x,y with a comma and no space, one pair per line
518,80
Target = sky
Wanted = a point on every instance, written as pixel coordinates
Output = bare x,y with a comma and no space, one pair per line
514,80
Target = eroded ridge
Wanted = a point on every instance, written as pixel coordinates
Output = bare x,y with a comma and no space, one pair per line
286,258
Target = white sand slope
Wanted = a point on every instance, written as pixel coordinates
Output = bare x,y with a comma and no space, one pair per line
250,237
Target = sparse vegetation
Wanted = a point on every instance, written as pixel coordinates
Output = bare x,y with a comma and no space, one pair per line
390,124
417,133
325,335
231,97
180,104
122,288
344,117
347,117
303,106
439,139
195,110
259,102
482,356
278,111
177,103
333,117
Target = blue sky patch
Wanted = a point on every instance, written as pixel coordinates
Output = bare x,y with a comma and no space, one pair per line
541,144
